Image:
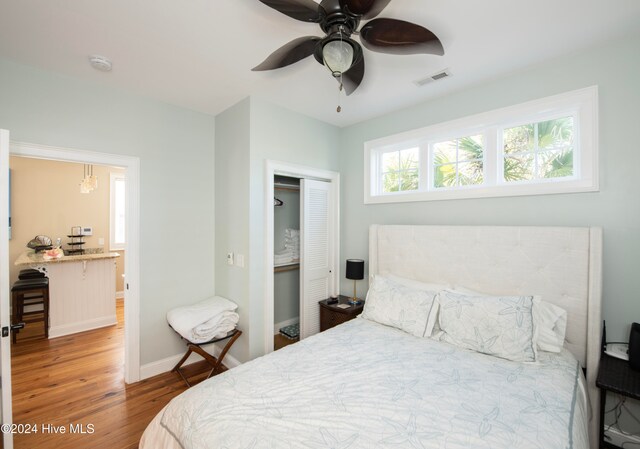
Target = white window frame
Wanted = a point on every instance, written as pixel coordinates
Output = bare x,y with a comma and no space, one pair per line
113,246
395,149
581,104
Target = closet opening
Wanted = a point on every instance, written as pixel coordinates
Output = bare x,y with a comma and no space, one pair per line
301,246
286,261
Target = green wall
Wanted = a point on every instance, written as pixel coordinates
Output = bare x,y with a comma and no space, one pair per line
232,213
247,135
615,68
176,151
282,135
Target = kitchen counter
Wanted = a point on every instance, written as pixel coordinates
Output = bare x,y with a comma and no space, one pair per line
82,289
33,258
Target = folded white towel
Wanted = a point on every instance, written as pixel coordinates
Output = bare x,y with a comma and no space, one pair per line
216,327
184,319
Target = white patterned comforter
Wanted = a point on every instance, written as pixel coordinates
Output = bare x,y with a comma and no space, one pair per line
365,385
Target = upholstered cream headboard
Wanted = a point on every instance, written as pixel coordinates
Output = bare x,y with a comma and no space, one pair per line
562,264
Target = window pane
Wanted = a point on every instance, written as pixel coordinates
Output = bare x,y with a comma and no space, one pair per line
119,220
409,180
518,139
390,182
470,173
444,175
400,170
409,159
444,152
556,133
471,148
390,161
555,164
519,168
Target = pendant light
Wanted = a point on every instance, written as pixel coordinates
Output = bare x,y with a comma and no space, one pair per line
89,181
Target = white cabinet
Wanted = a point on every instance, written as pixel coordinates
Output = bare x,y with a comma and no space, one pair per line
82,296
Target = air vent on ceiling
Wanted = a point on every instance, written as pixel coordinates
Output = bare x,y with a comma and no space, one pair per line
446,73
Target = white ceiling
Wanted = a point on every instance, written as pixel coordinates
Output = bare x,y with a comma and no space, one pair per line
198,54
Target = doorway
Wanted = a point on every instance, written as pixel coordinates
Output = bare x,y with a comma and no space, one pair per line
315,276
83,215
132,247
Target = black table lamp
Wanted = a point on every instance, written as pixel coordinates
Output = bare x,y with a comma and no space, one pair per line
355,271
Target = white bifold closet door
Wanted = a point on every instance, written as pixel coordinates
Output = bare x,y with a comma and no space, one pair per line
316,258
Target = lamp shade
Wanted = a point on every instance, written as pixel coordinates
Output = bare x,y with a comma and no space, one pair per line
355,269
337,56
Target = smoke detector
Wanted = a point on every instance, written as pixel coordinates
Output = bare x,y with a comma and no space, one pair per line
445,73
100,63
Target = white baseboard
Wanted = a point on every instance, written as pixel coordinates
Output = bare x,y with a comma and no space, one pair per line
165,365
59,331
120,295
277,326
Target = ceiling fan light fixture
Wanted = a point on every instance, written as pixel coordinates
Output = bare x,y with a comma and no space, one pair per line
337,56
339,20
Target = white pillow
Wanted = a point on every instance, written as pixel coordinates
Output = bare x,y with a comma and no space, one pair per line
501,326
418,285
393,304
550,321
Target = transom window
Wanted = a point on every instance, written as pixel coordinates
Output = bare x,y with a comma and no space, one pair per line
540,147
458,162
536,151
400,170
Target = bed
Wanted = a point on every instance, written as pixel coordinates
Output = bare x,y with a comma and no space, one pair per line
366,385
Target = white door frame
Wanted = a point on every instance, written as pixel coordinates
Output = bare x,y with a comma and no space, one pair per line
5,297
132,230
273,168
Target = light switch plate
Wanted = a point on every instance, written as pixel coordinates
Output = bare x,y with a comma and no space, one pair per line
240,260
101,241
229,258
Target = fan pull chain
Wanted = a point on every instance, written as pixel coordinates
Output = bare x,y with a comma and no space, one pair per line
339,108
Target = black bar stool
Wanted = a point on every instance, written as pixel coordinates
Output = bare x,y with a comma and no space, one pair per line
30,273
28,292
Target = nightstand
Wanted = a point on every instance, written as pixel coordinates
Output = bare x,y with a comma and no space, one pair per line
331,315
615,375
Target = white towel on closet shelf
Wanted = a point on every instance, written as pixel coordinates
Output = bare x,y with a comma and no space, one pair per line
184,320
292,242
283,257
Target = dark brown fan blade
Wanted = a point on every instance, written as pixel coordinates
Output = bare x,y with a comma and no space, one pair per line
352,78
330,6
289,53
304,10
398,37
368,9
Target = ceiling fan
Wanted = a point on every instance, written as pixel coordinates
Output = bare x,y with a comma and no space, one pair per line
339,20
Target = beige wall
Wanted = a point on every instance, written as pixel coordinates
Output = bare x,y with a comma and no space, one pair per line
46,199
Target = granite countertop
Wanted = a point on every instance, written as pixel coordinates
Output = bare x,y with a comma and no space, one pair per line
33,258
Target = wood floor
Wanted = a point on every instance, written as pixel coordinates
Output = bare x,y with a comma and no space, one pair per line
79,379
280,341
